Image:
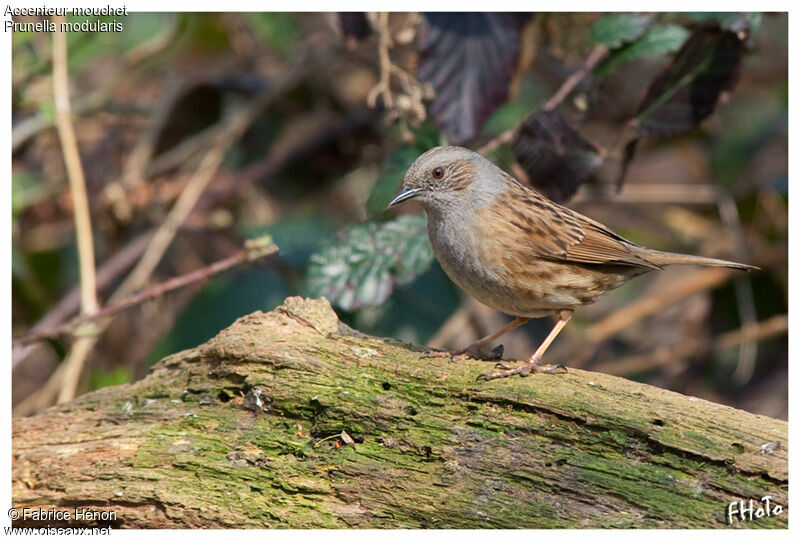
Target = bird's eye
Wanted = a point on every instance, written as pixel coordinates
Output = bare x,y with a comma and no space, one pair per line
437,173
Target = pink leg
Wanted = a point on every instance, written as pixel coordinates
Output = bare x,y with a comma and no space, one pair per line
532,364
475,351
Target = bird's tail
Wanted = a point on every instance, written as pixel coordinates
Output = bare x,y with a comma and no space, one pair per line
667,258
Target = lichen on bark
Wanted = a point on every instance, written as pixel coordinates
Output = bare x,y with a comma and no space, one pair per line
292,420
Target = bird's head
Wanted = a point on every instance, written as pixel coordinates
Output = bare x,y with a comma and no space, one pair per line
440,175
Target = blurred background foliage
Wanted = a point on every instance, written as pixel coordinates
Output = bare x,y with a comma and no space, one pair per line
676,137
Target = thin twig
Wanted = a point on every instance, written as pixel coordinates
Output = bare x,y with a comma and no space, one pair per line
597,55
36,124
177,215
748,350
83,225
726,206
622,319
70,303
383,88
406,105
117,191
158,44
503,138
235,128
703,194
278,159
252,251
72,161
73,365
634,364
182,152
126,257
45,395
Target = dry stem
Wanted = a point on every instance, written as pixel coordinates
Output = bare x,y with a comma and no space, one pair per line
620,320
34,125
70,303
595,57
233,130
83,226
249,253
634,364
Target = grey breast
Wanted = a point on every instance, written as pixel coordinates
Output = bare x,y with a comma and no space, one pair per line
458,250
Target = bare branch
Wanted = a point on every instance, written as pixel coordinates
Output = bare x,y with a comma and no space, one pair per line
233,130
36,124
774,326
597,55
383,88
83,226
252,251
70,303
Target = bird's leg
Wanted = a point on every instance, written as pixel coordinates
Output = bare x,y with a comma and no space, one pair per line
475,351
533,363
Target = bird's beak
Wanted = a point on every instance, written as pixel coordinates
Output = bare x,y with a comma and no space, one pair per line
405,193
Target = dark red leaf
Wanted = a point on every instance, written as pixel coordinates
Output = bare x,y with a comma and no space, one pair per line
688,89
355,25
555,156
194,109
469,59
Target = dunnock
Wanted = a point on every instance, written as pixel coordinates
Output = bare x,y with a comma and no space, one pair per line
518,252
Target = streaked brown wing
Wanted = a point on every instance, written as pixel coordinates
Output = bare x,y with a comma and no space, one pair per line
551,231
601,245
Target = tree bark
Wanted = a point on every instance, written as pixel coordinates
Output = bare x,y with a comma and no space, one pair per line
293,420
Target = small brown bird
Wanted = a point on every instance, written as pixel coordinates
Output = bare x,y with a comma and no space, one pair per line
518,252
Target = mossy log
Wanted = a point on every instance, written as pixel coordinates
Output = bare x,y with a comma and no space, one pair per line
292,420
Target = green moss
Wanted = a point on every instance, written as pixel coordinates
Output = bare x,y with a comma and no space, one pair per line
433,448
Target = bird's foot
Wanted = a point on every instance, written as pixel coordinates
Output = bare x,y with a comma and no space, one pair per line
523,370
472,352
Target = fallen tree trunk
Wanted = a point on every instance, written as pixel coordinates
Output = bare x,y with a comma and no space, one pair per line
291,419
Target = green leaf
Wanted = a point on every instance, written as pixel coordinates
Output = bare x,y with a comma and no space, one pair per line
281,30
614,31
362,266
26,189
395,166
389,182
658,40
